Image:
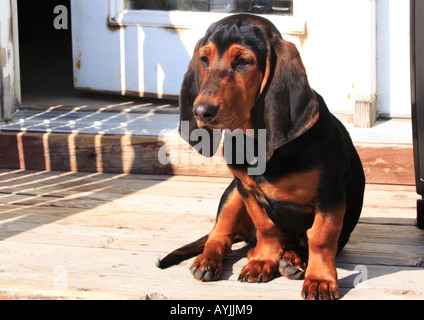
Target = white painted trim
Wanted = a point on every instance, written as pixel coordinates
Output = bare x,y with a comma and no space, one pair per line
10,69
16,59
197,20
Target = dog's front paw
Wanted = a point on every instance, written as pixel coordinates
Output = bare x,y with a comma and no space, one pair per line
322,289
206,268
258,271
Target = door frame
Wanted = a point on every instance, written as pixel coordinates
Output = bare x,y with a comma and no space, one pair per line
9,59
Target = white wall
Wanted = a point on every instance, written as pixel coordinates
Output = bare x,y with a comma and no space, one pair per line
339,50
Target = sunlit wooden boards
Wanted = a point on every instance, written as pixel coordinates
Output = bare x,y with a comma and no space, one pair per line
74,235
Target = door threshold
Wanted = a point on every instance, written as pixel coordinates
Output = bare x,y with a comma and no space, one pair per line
152,119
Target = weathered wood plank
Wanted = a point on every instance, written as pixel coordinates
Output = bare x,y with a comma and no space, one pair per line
120,273
145,231
108,188
37,292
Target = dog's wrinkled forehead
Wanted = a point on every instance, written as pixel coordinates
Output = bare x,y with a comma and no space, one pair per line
241,31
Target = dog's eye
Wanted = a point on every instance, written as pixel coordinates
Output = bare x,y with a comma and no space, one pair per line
241,64
205,61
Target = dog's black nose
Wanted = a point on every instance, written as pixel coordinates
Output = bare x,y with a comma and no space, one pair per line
205,112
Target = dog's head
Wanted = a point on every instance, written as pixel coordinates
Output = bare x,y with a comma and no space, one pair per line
243,75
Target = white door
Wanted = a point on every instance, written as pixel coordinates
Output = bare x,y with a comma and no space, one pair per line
143,47
9,59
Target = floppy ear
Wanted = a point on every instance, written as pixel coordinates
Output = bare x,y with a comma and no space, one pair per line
290,106
205,141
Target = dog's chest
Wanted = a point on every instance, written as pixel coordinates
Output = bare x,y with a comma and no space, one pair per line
297,188
290,201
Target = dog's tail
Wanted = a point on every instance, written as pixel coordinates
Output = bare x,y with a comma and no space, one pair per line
186,252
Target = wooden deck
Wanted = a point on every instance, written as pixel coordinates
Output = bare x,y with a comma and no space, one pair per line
98,236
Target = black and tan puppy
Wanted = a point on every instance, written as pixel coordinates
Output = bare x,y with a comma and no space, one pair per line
300,211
